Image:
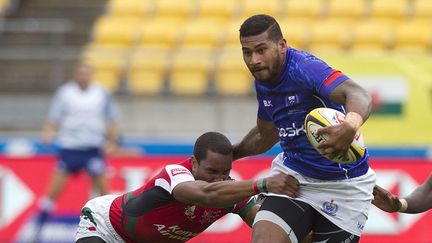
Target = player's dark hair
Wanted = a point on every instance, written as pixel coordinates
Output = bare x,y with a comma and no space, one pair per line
213,141
258,24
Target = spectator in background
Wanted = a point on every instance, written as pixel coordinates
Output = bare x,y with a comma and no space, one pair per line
84,118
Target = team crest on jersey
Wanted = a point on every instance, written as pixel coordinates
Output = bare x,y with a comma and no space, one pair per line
190,212
177,171
291,100
330,208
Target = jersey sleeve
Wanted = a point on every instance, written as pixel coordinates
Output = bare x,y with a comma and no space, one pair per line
56,108
243,207
176,174
317,75
262,114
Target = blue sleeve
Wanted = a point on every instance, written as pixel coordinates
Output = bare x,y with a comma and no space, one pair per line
317,75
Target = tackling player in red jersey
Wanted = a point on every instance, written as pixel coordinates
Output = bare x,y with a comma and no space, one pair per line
181,201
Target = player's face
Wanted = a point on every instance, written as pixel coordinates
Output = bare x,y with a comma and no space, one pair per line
263,57
83,74
216,167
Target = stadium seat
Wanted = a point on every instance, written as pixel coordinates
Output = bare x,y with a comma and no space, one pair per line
179,9
116,31
107,64
423,9
303,9
146,72
231,74
201,33
129,8
160,32
252,7
296,31
231,34
222,10
190,71
413,36
374,36
346,9
329,36
394,9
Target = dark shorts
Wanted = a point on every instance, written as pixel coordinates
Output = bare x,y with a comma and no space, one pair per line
301,219
72,161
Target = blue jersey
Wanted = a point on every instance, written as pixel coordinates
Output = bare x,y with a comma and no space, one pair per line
305,84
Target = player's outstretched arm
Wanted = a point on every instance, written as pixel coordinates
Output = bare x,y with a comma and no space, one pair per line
420,200
227,193
259,139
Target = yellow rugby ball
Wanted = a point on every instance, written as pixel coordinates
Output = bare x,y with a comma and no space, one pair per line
324,117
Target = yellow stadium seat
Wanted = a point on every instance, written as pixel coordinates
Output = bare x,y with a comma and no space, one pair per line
423,9
223,10
394,9
180,9
307,9
202,33
296,31
346,9
231,34
190,72
128,8
107,64
116,31
162,32
147,68
231,74
252,7
329,36
413,36
374,36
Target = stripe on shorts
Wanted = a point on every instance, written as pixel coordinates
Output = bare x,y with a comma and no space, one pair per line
274,218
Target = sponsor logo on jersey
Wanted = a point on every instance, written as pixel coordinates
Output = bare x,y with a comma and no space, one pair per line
267,103
210,216
291,100
292,131
330,208
178,171
175,232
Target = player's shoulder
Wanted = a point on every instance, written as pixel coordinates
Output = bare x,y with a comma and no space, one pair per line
173,170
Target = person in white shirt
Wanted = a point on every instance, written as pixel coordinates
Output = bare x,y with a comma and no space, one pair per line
83,122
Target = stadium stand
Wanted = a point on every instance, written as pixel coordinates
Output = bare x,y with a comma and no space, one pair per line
133,27
146,72
190,71
231,75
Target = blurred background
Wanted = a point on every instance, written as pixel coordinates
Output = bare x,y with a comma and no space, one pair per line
176,70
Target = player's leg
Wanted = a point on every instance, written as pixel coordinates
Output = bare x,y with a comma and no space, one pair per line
58,181
96,168
100,183
94,225
281,220
326,231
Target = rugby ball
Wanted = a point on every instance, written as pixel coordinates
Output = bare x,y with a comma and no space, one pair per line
323,117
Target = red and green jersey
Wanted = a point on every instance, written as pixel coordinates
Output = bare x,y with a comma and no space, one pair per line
151,214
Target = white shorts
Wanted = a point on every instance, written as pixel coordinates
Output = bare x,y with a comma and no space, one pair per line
99,224
345,202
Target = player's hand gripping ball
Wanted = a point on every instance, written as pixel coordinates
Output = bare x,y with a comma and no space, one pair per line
323,117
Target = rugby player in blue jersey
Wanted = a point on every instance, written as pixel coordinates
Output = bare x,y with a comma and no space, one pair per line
334,198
